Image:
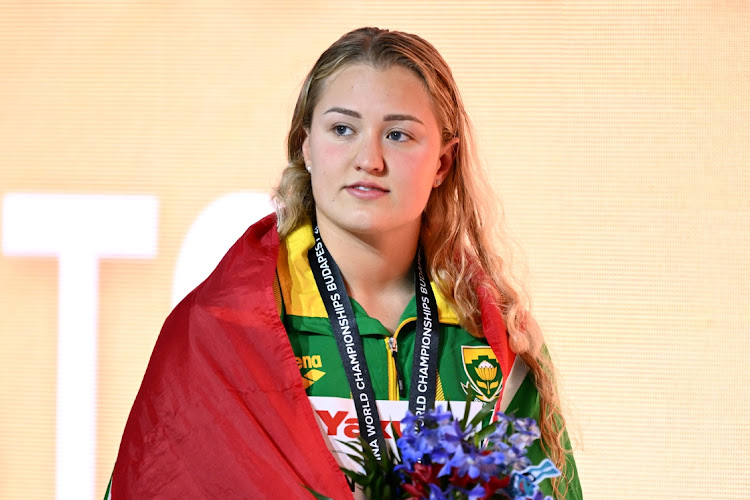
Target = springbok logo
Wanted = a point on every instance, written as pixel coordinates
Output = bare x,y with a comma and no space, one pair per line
482,369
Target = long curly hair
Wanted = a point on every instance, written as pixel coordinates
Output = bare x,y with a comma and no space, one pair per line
463,243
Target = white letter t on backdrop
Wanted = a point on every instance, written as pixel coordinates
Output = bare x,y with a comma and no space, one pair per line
78,230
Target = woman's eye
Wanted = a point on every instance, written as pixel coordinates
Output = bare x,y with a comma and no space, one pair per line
398,136
342,130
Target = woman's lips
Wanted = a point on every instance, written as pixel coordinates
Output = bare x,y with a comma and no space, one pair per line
366,190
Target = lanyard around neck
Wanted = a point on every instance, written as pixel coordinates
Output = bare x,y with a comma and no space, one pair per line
344,326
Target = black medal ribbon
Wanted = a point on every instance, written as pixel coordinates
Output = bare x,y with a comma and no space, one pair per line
425,359
345,331
344,326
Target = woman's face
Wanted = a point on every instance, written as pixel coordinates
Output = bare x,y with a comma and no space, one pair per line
374,150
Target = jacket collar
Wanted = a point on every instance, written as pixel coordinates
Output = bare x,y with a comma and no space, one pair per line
298,288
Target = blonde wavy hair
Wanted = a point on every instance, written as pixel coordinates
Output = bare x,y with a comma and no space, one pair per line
458,232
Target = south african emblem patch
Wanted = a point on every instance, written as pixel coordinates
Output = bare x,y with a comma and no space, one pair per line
483,371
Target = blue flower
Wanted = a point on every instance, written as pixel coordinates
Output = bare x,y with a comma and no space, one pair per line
409,424
439,415
476,493
473,463
450,436
437,494
501,429
436,439
431,438
525,433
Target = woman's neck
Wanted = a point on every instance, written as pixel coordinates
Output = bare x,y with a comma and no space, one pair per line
377,268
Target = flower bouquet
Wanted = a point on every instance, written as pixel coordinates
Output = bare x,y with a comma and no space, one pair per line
438,457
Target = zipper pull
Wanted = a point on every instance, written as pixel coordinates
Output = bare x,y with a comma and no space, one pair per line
400,378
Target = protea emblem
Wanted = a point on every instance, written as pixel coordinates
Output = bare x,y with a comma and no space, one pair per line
482,370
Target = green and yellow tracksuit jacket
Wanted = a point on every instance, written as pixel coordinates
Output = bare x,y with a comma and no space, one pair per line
465,362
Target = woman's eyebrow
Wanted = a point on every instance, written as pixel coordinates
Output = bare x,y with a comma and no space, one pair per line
386,118
398,118
343,111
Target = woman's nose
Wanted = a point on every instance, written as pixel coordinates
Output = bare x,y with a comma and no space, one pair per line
370,154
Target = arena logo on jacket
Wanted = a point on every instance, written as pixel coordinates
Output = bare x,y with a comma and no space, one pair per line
483,372
311,364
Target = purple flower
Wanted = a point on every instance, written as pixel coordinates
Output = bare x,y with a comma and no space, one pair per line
476,493
450,436
438,415
501,429
473,463
525,433
432,438
459,464
408,423
436,493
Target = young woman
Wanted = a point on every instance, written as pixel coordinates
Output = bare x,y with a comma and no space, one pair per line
324,307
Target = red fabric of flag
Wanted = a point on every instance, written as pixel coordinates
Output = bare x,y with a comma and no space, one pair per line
221,411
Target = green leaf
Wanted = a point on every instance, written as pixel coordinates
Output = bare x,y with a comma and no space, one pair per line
483,413
379,480
356,476
317,495
470,395
393,431
351,445
486,431
357,459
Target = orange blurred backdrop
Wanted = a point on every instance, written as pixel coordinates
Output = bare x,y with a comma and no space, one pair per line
138,139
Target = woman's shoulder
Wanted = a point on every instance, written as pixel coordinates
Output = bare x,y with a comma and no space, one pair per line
249,263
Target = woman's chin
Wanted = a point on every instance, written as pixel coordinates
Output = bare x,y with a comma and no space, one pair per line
367,224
